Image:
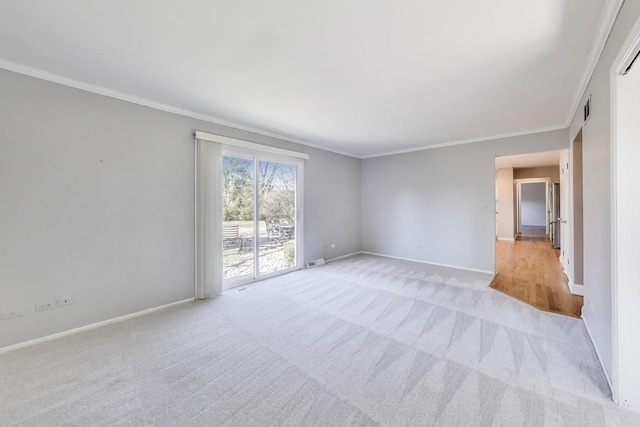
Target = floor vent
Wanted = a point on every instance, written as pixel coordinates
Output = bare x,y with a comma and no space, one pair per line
315,262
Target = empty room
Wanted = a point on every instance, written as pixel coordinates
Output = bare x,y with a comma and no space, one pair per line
317,213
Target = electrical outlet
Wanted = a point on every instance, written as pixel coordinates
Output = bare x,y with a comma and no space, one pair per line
64,301
45,306
6,315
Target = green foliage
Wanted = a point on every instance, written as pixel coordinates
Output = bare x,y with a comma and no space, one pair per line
289,249
238,189
276,190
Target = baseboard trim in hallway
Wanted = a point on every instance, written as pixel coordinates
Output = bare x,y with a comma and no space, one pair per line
576,289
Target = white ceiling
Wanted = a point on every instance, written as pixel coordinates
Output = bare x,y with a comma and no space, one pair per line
357,76
546,158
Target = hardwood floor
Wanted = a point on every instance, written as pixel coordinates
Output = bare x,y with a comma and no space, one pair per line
529,270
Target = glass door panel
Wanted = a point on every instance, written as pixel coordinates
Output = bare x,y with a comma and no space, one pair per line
260,208
277,216
238,216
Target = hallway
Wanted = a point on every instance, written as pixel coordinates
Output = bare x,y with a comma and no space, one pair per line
529,270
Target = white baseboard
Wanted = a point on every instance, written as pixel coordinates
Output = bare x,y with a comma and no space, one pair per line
576,289
569,281
508,239
431,263
570,284
343,256
606,374
88,327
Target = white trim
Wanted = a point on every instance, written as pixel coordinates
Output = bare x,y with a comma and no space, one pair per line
406,259
239,143
606,375
624,58
614,225
256,217
576,289
344,256
519,182
569,280
428,262
466,141
195,219
280,156
90,327
625,55
607,19
566,274
507,239
134,99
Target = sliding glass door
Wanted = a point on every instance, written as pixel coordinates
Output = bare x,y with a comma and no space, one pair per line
238,217
261,216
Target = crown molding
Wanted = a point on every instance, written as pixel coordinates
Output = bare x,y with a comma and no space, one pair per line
467,141
134,99
607,19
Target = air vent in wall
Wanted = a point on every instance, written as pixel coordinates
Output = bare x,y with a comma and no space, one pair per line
315,262
587,109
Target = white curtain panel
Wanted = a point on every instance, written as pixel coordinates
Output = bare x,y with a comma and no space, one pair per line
208,228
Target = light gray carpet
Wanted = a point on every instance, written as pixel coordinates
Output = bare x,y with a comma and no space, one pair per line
363,341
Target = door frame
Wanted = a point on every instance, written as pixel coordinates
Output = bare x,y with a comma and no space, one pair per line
519,183
257,156
620,395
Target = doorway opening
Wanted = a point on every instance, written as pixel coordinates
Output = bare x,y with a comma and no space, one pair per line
528,255
532,206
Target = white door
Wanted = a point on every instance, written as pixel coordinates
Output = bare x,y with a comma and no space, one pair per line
626,238
564,209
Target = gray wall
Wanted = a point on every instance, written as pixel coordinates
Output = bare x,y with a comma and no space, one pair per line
97,204
438,205
552,172
596,150
332,205
533,204
505,222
